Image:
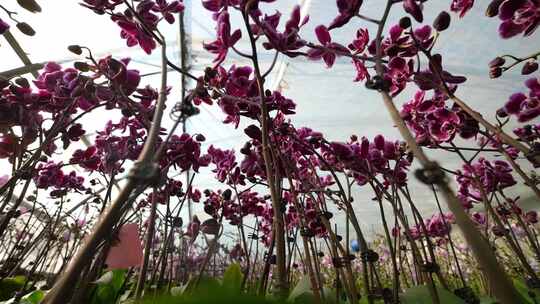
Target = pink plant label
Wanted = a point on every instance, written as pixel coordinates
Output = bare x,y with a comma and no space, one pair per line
128,252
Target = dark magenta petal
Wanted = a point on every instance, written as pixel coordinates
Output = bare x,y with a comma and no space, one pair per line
343,151
329,59
397,63
294,21
132,81
322,34
531,217
452,78
423,32
508,8
413,9
514,103
212,5
509,29
52,67
529,114
361,70
379,142
534,85
389,150
3,26
253,132
272,20
445,115
342,5
425,106
127,26
395,32
438,132
315,54
364,147
425,80
236,35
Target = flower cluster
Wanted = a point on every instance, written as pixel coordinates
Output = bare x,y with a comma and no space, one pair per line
517,16
529,134
440,225
287,42
225,39
437,226
478,180
223,203
124,140
60,89
358,46
253,203
121,78
240,95
252,165
524,107
138,23
226,166
365,159
50,175
433,122
184,152
311,218
23,107
87,158
112,148
402,47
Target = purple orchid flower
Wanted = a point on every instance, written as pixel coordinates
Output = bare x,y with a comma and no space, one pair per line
168,9
518,16
461,6
525,107
287,42
225,39
329,50
347,9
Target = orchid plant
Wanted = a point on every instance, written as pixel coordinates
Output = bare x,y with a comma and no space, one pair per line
99,217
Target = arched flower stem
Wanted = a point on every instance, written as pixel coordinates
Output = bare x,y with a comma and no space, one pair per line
309,263
279,231
147,246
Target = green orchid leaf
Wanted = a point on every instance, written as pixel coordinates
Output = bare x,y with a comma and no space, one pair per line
421,295
33,298
233,276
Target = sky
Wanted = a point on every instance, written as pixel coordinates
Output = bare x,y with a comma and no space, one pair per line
327,100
